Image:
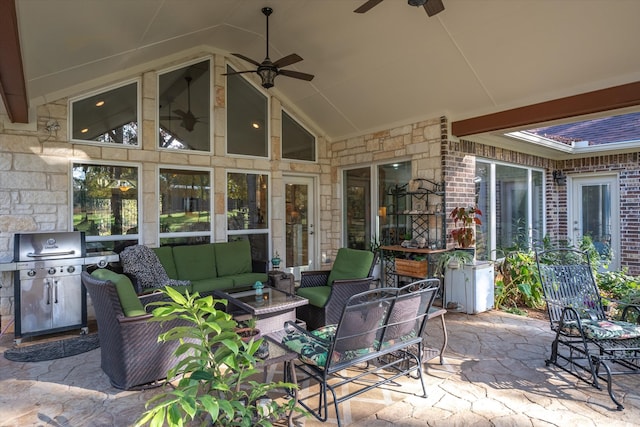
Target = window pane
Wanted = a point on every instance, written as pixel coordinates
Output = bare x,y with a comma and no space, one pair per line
390,178
247,201
357,207
246,118
186,240
105,203
484,239
537,220
511,207
109,117
184,104
185,201
297,142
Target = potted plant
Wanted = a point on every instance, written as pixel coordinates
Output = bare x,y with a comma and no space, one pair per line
215,385
451,260
465,218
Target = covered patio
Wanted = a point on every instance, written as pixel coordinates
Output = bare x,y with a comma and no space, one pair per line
494,374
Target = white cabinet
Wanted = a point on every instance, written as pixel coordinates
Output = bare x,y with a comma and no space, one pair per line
469,288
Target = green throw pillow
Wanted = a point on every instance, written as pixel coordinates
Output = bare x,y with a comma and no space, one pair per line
131,305
350,264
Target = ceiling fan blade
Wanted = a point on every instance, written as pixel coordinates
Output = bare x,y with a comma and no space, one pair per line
181,113
287,60
239,72
368,5
246,58
433,7
296,75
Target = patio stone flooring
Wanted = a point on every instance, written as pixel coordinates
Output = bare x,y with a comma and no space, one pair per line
494,375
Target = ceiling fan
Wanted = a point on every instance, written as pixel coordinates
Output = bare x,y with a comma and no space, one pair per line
268,70
188,119
432,7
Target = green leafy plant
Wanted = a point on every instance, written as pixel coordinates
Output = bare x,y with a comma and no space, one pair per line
518,282
215,385
465,218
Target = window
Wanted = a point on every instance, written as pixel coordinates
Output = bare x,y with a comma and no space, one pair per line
246,118
297,142
185,206
248,211
514,196
184,108
371,186
105,205
109,117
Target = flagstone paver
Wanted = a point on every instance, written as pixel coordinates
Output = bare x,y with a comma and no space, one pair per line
494,375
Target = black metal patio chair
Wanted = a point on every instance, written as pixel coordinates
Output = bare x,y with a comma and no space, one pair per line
587,344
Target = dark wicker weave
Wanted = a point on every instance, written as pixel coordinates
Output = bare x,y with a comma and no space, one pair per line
572,297
129,350
341,290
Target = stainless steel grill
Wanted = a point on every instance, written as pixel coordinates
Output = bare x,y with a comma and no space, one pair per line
49,296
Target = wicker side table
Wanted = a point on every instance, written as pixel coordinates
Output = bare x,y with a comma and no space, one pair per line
282,281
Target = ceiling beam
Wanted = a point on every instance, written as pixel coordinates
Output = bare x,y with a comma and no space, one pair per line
612,98
12,84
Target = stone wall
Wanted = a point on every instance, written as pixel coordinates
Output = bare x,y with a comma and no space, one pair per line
35,168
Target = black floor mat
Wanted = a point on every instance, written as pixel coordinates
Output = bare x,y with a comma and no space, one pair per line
53,349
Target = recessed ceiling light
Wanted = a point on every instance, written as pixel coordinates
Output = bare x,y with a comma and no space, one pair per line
255,125
99,103
85,130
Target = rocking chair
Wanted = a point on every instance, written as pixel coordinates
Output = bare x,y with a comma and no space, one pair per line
586,342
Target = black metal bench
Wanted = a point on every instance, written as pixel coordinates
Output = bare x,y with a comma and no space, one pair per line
378,338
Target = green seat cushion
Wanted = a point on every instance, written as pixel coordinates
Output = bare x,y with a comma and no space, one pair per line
214,283
131,305
233,257
350,264
248,279
165,255
195,262
317,295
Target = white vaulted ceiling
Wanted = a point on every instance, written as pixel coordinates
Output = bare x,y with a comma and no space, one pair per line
390,66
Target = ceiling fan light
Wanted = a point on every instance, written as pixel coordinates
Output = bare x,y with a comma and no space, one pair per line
267,75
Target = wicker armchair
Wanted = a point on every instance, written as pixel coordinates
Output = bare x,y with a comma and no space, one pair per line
130,353
329,290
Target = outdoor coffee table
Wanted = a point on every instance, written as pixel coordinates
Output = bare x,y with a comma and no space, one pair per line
271,310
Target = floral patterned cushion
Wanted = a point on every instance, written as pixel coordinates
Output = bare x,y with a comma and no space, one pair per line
603,329
313,347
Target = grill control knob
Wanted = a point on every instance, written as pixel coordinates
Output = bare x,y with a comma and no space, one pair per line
31,273
71,269
51,270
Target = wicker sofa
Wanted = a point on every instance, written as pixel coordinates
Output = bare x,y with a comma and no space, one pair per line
201,268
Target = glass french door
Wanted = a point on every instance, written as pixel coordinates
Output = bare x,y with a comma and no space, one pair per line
300,225
594,214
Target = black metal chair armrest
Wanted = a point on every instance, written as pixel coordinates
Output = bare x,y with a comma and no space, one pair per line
631,313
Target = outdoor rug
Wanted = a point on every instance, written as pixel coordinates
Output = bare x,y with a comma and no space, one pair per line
53,349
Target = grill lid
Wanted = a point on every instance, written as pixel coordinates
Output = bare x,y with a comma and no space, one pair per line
48,246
